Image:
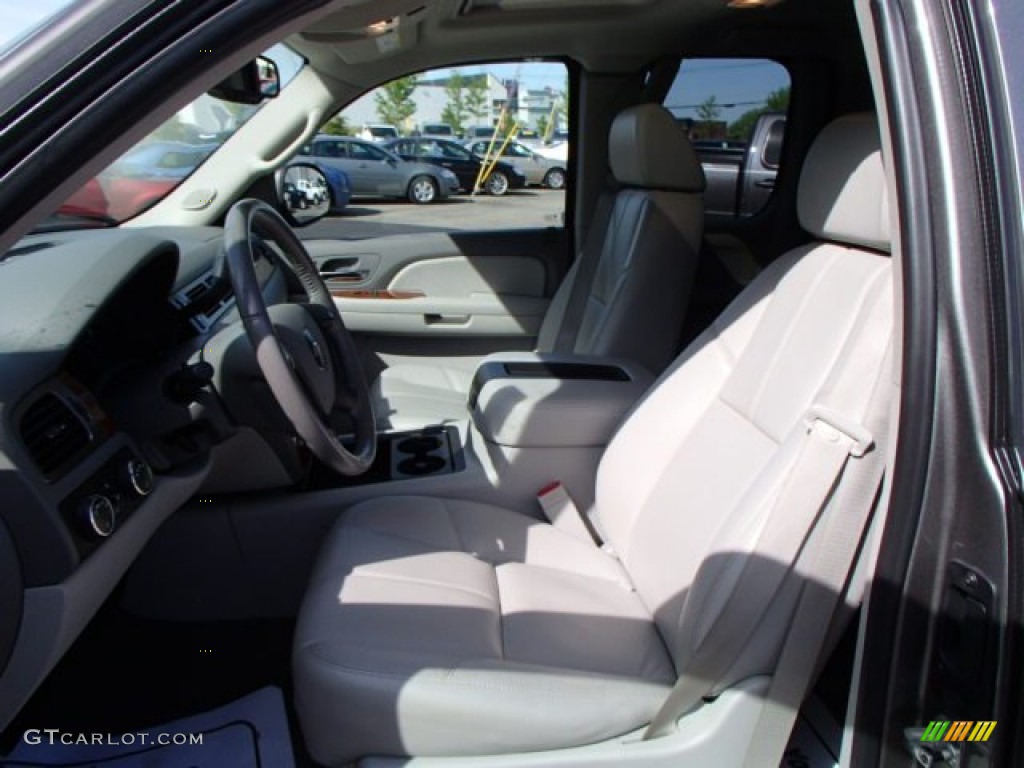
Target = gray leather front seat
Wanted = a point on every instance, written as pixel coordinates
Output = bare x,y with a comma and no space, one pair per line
440,627
637,300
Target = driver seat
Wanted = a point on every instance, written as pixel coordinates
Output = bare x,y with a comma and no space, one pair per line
444,627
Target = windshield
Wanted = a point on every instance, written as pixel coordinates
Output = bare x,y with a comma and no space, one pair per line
146,173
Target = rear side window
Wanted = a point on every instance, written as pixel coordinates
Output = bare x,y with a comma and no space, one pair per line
734,111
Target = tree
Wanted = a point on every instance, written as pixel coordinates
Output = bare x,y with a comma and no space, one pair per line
542,126
776,101
337,126
394,101
708,110
475,101
562,108
454,111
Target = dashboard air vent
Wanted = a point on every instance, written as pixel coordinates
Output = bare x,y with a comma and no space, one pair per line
53,434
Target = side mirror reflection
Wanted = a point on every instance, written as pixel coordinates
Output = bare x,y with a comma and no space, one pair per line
303,195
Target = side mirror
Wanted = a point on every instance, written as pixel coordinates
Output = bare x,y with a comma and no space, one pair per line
303,196
254,82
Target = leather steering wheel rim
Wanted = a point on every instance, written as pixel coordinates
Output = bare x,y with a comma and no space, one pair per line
246,218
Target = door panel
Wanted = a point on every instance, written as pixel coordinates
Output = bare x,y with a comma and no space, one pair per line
443,294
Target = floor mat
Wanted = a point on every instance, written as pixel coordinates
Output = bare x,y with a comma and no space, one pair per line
251,732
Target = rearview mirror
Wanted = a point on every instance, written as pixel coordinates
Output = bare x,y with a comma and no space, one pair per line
254,82
302,194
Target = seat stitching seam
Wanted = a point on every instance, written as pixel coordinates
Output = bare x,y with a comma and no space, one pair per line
480,685
421,581
746,417
795,321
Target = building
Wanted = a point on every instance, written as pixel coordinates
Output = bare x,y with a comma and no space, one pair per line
431,98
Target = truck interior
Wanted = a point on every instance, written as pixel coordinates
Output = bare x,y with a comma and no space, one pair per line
608,492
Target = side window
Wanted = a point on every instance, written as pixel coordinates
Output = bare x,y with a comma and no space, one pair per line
439,113
376,154
454,152
734,111
359,151
428,149
326,149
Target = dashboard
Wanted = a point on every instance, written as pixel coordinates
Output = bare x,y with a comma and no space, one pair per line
107,417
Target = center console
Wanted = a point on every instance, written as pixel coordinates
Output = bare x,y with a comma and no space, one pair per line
547,400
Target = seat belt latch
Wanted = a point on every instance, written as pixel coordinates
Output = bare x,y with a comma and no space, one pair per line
832,426
562,513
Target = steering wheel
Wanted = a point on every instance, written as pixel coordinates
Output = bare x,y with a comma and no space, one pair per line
303,349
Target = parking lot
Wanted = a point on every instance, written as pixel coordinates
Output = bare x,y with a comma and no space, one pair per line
373,217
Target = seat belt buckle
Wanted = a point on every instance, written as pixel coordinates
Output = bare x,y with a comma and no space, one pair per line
562,513
832,425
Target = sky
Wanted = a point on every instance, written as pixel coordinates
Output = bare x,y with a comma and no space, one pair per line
18,16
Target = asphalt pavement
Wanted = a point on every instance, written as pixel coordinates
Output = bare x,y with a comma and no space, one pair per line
373,217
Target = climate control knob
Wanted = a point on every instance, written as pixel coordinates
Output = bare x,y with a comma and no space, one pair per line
137,477
98,516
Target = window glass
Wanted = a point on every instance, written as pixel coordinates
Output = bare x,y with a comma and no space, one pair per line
149,171
454,152
734,111
436,113
375,154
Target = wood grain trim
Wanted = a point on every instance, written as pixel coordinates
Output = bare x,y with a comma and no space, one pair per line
343,293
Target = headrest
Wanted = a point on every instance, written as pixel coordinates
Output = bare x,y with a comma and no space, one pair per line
842,195
648,148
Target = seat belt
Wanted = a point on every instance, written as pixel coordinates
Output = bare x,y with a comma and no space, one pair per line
831,439
826,578
590,256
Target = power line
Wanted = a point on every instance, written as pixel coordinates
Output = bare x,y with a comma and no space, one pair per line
720,105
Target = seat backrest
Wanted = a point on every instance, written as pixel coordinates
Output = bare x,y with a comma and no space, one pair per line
637,299
691,472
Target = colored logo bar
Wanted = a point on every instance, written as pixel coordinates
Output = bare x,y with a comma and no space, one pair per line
959,730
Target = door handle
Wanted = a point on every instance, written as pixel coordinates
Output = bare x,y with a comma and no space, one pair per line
346,275
765,183
435,318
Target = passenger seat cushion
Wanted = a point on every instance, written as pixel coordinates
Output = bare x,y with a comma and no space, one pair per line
451,627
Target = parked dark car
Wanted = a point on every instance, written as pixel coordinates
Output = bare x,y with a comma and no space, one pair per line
372,170
538,169
460,161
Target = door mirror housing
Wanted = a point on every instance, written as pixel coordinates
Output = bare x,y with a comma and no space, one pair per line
254,82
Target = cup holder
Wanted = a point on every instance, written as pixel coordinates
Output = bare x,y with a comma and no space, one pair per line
419,444
421,453
421,465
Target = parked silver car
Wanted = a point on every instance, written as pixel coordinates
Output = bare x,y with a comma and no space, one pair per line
375,171
537,168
